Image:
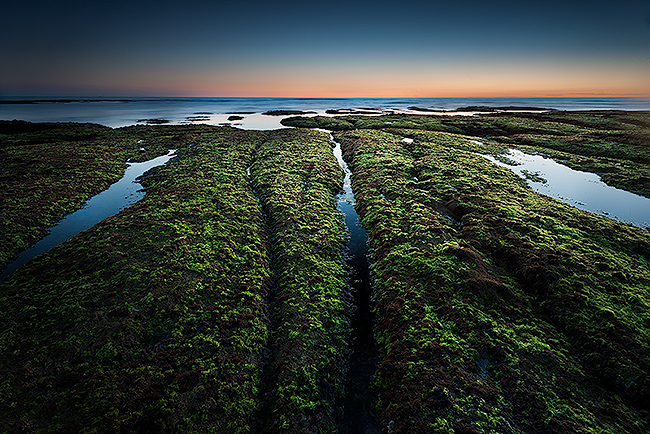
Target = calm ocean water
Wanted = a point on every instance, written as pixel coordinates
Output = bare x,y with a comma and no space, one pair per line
118,112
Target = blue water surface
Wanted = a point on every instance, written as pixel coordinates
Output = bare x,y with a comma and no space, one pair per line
117,197
119,112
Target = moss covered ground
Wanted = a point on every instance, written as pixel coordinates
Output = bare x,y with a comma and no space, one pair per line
49,170
216,304
219,302
613,144
498,309
296,177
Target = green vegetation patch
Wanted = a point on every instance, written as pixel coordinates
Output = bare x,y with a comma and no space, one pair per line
153,320
50,170
296,177
498,309
613,144
218,303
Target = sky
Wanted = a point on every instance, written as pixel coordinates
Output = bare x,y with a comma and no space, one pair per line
332,48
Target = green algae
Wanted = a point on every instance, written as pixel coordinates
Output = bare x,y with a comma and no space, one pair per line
50,170
613,144
296,177
498,309
219,304
155,318
221,292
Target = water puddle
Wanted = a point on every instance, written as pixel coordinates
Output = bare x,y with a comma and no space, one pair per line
117,197
249,121
582,190
359,397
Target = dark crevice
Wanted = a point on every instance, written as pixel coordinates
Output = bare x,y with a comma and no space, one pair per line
263,419
359,400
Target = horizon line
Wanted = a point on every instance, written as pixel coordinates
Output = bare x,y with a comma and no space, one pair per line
78,96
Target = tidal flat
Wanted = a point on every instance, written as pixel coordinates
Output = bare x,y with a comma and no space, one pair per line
221,301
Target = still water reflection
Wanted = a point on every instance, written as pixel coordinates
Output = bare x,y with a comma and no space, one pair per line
118,196
582,190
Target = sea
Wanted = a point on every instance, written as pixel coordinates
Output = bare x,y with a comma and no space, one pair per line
120,112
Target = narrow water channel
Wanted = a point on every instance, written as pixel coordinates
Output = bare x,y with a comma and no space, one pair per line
359,397
117,197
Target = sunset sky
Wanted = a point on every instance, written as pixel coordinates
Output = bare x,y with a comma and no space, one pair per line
325,49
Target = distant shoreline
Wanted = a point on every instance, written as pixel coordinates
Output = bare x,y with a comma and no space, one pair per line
123,111
59,101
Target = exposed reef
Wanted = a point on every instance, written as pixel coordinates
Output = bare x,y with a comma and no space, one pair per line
154,121
287,112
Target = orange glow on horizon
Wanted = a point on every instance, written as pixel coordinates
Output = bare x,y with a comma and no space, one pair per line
377,83
446,81
381,90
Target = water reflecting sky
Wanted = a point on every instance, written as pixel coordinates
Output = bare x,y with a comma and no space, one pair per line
117,197
115,113
582,190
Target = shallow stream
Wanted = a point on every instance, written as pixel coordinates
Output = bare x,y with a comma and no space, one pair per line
117,197
359,397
